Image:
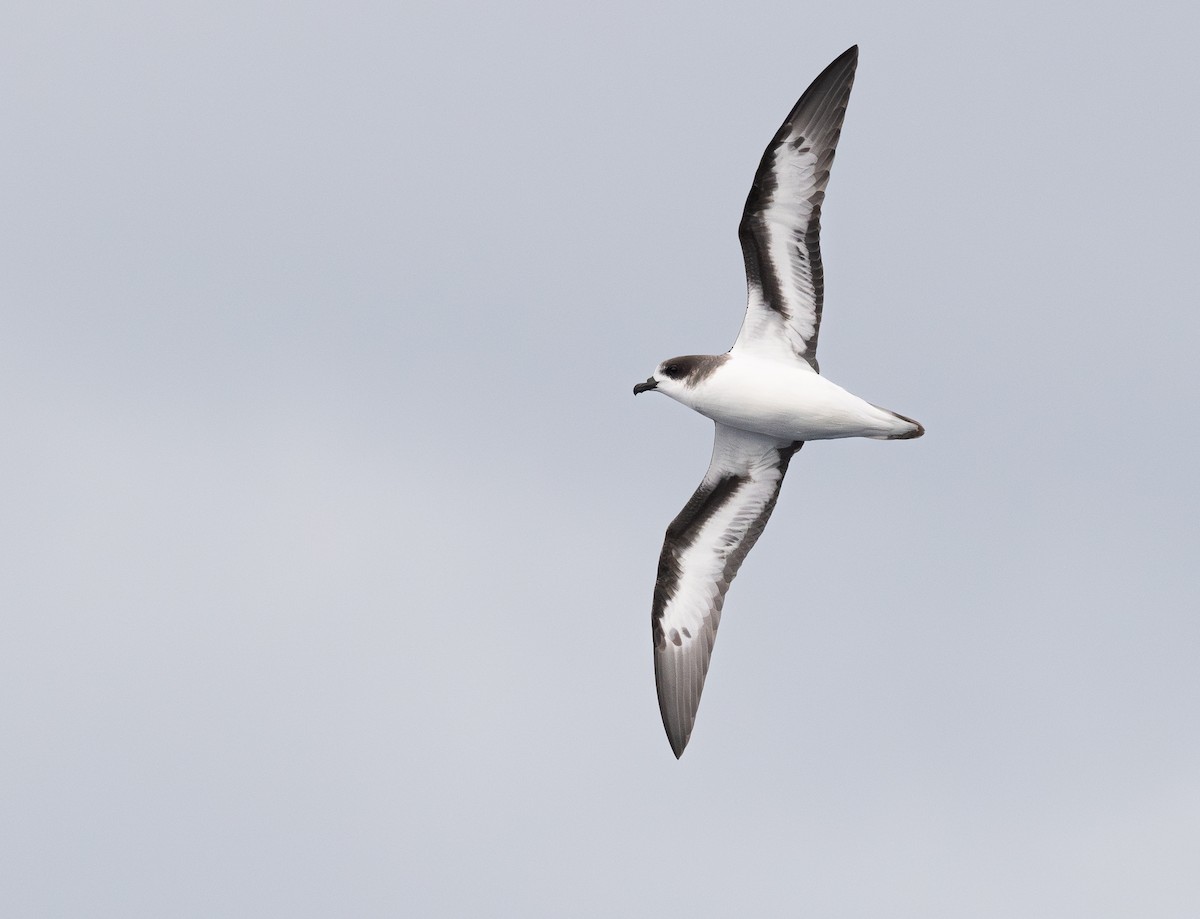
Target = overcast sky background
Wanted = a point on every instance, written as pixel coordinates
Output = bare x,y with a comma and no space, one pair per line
329,523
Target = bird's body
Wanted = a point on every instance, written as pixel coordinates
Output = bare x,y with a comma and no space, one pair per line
786,400
766,396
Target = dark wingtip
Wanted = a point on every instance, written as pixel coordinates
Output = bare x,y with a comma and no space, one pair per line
678,744
677,724
849,56
678,698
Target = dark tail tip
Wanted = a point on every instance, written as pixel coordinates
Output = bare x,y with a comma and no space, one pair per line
908,435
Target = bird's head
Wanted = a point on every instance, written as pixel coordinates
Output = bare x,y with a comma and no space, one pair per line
676,376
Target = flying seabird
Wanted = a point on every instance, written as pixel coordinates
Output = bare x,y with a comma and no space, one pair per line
766,396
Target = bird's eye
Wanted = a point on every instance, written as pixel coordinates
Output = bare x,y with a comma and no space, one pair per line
671,370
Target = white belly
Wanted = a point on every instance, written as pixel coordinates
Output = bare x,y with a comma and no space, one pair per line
786,401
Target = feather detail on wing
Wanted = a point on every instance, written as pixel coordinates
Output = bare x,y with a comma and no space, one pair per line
701,554
781,224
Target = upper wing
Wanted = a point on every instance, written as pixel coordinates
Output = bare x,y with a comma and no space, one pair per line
703,549
781,225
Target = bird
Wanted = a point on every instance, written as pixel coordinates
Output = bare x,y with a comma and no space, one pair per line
766,396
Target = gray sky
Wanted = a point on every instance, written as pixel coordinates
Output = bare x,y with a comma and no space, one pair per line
329,523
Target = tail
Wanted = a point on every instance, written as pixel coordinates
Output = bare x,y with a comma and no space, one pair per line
916,430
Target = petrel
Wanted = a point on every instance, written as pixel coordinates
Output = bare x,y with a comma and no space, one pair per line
766,396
